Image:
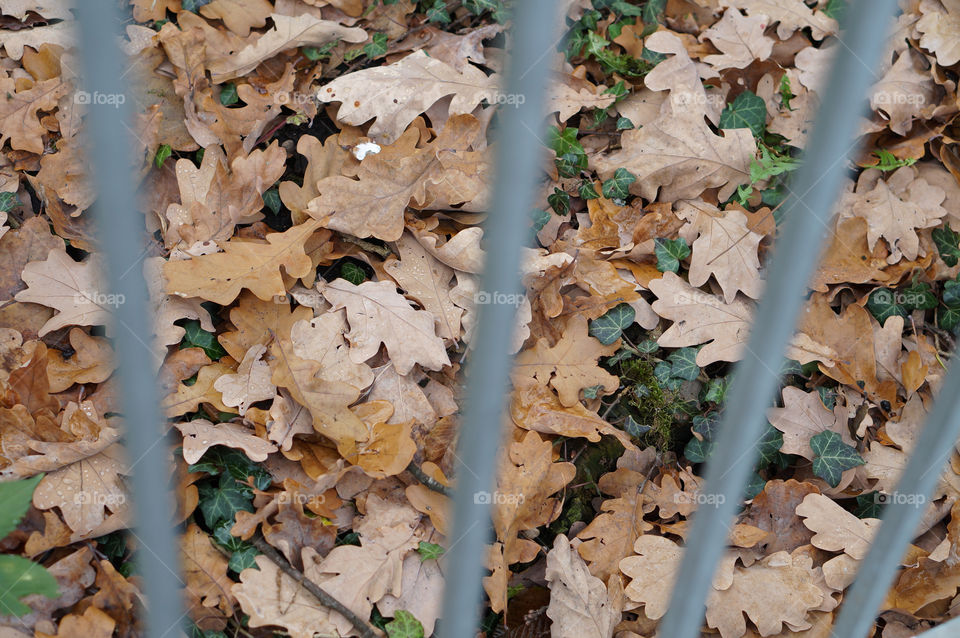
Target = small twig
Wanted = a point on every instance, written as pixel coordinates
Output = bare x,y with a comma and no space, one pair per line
366,631
433,484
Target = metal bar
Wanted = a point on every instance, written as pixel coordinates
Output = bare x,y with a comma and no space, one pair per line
807,210
949,629
902,516
519,157
121,233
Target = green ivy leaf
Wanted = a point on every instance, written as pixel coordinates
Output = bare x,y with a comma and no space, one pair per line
404,625
222,502
352,273
754,486
919,296
570,164
163,152
684,364
20,577
438,13
716,390
611,325
948,318
670,252
228,94
635,429
746,111
768,445
653,11
564,141
648,346
828,397
624,124
376,48
592,392
617,187
868,506
271,199
832,457
430,551
946,240
8,201
15,497
540,219
315,54
196,337
587,190
706,425
559,201
882,304
698,451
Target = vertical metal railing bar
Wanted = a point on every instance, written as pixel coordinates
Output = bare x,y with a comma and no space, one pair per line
949,629
807,211
902,516
120,236
518,165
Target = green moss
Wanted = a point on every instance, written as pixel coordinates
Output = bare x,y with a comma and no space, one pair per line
649,404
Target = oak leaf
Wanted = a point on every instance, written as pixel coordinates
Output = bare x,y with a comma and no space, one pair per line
205,570
250,384
610,536
377,314
72,288
726,248
422,592
19,117
905,92
288,32
792,15
322,339
678,153
199,435
895,208
580,605
92,624
740,39
939,30
92,362
247,264
535,407
836,529
442,174
848,258
83,490
802,417
405,89
188,398
571,364
428,281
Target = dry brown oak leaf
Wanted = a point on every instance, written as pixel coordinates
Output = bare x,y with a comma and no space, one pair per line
72,288
779,589
700,317
442,174
83,490
678,154
250,384
792,15
92,362
939,29
571,364
740,39
377,314
254,265
580,606
205,571
19,120
837,530
428,281
288,32
802,417
397,93
610,536
895,208
199,435
725,248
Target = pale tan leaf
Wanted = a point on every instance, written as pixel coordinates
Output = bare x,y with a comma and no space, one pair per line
199,435
250,384
377,314
74,289
580,606
837,530
740,39
404,90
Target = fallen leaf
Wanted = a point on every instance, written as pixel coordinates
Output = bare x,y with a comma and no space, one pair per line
580,605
